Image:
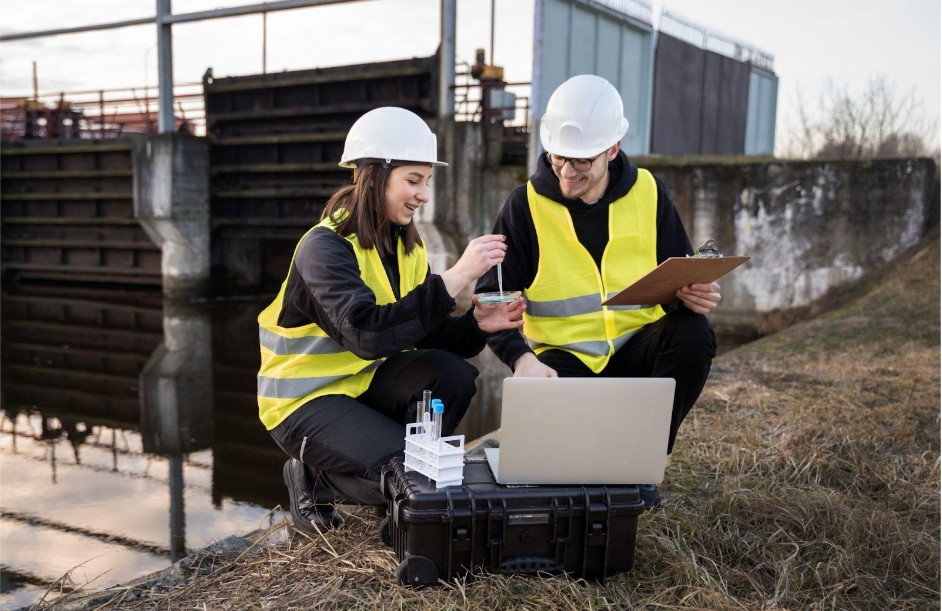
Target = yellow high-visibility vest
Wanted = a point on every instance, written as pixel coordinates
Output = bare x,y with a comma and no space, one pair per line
564,301
302,363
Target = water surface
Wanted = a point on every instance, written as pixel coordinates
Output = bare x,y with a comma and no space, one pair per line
129,435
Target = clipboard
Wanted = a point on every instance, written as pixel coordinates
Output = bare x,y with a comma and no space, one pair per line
660,284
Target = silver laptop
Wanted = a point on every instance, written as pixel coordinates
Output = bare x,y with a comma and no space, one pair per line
583,431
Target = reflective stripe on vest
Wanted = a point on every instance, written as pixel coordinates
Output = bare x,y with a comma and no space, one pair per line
277,344
564,302
302,363
576,305
291,388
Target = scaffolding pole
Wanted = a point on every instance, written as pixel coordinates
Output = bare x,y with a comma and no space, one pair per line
446,61
165,122
278,5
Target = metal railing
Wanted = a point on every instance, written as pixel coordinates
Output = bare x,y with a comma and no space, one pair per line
98,113
112,113
711,40
470,104
636,9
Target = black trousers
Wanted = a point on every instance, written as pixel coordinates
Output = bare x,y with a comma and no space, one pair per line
345,441
680,345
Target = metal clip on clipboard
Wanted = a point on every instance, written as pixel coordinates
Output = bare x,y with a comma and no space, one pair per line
709,249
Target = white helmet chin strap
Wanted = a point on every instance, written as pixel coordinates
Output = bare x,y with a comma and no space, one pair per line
358,168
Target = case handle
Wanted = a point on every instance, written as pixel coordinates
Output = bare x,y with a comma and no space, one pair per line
530,564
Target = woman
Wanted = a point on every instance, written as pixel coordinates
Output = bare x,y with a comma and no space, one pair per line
361,327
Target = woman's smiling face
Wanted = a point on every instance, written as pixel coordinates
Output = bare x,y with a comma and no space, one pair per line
406,190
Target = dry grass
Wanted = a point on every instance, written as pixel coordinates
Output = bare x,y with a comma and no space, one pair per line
807,477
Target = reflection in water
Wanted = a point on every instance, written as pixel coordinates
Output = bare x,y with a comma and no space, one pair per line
124,444
176,402
130,434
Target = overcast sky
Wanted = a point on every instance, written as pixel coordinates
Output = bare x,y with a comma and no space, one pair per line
847,42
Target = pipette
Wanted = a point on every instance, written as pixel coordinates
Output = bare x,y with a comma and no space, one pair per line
500,281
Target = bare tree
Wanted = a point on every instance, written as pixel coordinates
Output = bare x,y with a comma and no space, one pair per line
876,123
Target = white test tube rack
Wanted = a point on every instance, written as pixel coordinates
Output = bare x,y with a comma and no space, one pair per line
441,460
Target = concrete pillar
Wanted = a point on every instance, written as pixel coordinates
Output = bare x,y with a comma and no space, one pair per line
171,201
435,221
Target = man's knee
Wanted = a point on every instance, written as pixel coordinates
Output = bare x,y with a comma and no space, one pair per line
691,331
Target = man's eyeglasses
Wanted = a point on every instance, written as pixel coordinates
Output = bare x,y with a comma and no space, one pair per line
579,165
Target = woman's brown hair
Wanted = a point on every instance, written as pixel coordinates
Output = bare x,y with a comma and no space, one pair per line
360,208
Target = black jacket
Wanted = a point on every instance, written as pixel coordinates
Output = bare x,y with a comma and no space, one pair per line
324,287
591,225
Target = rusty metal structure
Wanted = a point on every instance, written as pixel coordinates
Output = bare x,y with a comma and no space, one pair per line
68,208
67,213
97,114
275,141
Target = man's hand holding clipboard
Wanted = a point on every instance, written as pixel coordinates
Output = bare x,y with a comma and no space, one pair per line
661,284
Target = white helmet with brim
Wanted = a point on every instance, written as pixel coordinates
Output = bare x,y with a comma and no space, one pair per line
390,135
583,118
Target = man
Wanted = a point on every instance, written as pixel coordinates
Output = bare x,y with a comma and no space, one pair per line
587,224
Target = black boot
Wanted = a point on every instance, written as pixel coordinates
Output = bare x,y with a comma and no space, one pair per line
308,515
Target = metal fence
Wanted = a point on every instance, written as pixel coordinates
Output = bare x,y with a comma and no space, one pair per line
711,40
114,113
98,113
636,9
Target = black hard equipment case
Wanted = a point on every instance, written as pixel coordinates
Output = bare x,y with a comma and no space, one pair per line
586,531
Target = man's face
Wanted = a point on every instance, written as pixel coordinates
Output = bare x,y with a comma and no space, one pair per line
588,185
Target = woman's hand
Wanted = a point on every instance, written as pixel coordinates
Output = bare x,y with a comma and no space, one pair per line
493,317
528,366
700,298
482,254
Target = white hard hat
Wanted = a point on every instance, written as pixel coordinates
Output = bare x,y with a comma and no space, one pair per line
390,134
584,116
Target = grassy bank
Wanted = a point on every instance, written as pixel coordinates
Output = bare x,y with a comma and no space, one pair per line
807,476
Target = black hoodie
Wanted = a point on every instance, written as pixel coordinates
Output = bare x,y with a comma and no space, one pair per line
591,225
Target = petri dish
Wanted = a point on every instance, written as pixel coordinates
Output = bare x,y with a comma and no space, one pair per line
498,297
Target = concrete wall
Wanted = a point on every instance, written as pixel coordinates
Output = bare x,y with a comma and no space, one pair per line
808,226
480,188
468,194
